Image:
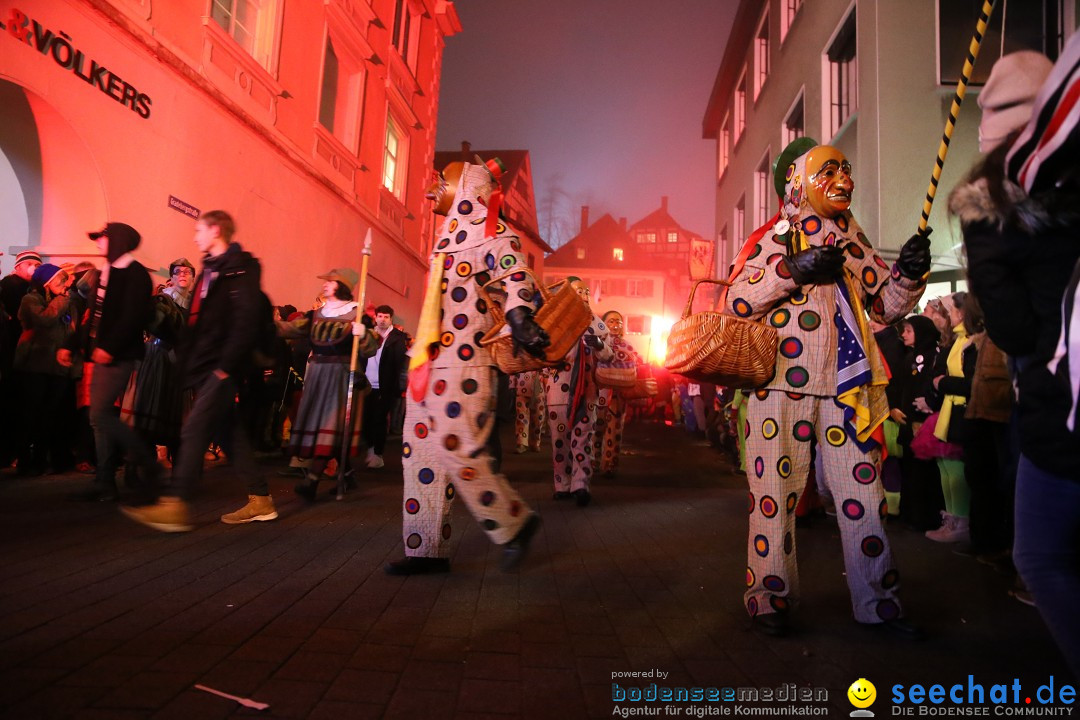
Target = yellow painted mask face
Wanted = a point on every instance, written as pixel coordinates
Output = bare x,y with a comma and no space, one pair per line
444,188
614,322
828,181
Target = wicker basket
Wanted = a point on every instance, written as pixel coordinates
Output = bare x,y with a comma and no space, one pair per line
641,389
563,316
718,348
616,377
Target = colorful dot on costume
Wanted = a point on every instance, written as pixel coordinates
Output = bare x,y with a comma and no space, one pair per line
499,228
420,430
794,395
749,578
803,431
487,497
890,579
761,546
426,476
872,546
752,606
439,387
853,509
406,450
741,307
864,473
768,506
784,466
881,263
836,436
490,525
481,305
414,541
466,352
809,320
459,294
446,339
789,543
862,238
761,394
759,467
798,298
797,376
853,249
463,269
782,270
460,321
755,252
450,491
769,429
412,506
451,442
757,276
453,225
746,429
515,509
442,244
453,409
752,503
507,261
525,294
448,263
515,246
869,277
461,237
443,285
779,603
888,610
811,225
773,583
464,207
489,261
883,509
780,318
841,222
791,347
467,473
791,502
446,530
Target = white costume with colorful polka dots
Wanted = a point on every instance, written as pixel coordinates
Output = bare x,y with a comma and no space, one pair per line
611,411
445,434
572,438
799,405
529,406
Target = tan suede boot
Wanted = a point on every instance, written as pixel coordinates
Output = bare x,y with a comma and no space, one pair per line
259,508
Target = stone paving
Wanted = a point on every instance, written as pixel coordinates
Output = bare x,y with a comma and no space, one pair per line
102,618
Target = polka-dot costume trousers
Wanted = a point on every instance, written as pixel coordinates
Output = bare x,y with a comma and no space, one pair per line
571,448
609,431
779,431
529,404
444,453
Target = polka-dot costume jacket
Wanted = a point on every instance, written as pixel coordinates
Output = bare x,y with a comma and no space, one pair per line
804,316
558,387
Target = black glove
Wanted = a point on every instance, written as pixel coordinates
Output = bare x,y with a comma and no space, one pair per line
818,265
528,336
593,341
914,259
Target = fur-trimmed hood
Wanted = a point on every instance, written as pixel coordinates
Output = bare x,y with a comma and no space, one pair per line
972,202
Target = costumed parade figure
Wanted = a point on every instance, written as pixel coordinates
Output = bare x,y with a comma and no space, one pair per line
450,401
572,396
529,410
317,433
611,403
814,276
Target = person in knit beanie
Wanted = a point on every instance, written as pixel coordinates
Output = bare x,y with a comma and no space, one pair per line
1008,97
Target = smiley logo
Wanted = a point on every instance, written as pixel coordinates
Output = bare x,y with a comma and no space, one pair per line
862,693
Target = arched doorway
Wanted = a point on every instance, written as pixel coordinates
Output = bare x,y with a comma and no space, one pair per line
50,188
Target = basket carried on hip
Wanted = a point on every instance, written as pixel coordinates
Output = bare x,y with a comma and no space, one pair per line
716,347
563,316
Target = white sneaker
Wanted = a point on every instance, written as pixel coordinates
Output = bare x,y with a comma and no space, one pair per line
374,461
950,530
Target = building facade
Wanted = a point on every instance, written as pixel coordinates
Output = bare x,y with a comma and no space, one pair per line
310,122
875,79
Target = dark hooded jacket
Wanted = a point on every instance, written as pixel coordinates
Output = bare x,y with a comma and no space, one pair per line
226,318
1021,252
919,370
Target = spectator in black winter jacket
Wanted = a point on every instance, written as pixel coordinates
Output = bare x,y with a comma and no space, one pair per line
119,309
223,326
921,500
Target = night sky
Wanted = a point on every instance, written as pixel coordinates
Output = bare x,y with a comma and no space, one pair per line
606,95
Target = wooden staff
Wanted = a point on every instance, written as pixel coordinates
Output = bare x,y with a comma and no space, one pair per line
358,292
961,88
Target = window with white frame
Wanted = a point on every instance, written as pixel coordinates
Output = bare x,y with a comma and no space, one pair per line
738,224
253,24
406,32
843,71
1042,26
646,237
673,236
723,147
740,108
795,121
762,192
788,10
395,155
761,54
340,105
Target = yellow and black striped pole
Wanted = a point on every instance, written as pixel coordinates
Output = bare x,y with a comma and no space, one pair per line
961,88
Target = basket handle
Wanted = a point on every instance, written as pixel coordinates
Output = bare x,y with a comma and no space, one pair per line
544,293
690,301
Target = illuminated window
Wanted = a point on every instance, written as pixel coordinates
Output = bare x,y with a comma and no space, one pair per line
253,24
788,10
646,237
723,147
763,190
638,287
739,219
761,54
1043,27
617,254
581,253
339,97
794,123
394,158
635,324
673,237
406,32
740,107
843,90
